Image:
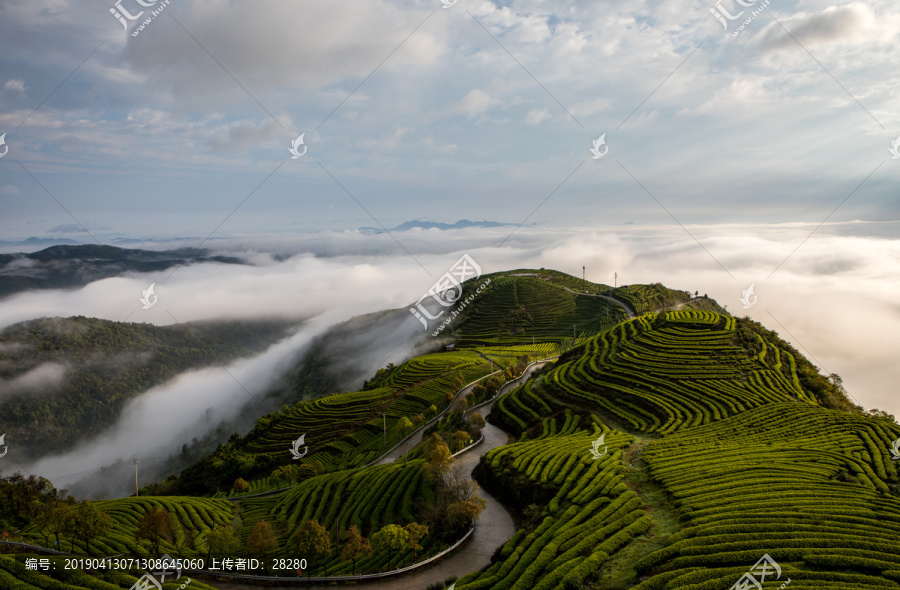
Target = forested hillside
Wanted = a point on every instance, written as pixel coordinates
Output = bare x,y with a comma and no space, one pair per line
64,380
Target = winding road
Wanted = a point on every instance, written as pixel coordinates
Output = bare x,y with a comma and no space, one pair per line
492,529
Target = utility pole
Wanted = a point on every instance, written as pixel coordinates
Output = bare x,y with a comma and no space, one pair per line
617,280
135,478
582,273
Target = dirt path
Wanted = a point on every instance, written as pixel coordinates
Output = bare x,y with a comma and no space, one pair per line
492,529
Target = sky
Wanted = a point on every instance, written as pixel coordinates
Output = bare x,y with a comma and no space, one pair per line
410,110
723,156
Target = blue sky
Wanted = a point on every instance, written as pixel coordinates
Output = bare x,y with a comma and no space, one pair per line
481,113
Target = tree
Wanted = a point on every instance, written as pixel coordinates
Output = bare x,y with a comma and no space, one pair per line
416,533
431,411
418,419
355,546
155,525
461,513
307,470
433,441
459,407
462,486
439,460
53,519
476,420
449,396
262,541
404,426
240,486
222,541
88,522
312,539
458,382
460,439
390,538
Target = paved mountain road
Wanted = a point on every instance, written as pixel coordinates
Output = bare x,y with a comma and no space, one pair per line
492,529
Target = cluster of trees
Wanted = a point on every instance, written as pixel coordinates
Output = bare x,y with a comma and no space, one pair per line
286,474
490,387
456,503
158,524
311,541
34,501
381,375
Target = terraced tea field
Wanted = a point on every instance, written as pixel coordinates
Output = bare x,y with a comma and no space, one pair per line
352,429
367,498
586,512
513,310
814,488
670,451
684,372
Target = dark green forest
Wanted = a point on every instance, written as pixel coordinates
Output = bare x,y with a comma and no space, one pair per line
99,366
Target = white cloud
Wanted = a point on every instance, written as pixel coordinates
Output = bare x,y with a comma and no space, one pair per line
41,379
854,23
15,85
270,43
476,102
535,116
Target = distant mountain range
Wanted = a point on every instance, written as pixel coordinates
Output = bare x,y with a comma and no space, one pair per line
45,242
71,266
415,223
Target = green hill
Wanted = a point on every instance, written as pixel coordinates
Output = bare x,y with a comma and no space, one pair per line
669,451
